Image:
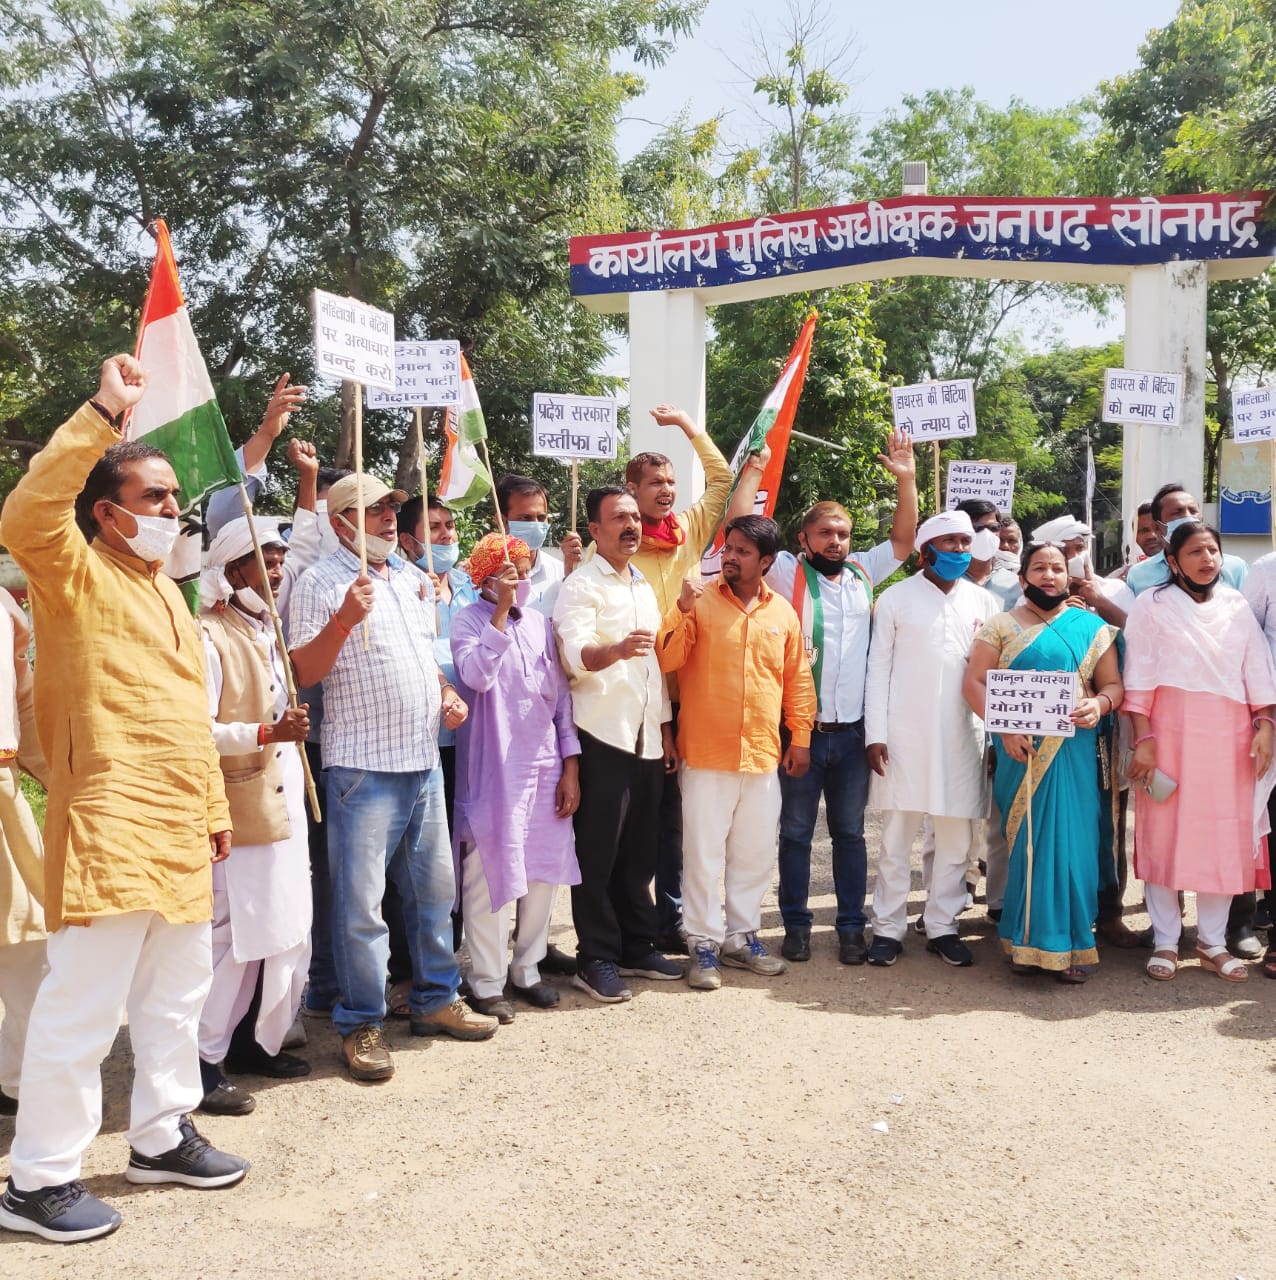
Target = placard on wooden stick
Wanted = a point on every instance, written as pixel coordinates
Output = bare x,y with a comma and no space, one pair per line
573,427
935,410
353,341
427,375
1032,702
992,481
1135,397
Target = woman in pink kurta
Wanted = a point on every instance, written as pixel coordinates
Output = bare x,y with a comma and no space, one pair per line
1200,688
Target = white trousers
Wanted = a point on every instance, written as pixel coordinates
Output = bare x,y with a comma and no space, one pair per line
487,932
21,969
946,895
234,981
730,834
160,974
1212,910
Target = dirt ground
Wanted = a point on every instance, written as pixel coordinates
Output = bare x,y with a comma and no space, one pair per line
918,1121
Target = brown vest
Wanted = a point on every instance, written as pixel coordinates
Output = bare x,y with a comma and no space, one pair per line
254,783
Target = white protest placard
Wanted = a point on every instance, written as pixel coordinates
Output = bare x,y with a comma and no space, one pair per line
427,375
1035,702
573,427
992,481
353,341
1130,396
935,410
1253,414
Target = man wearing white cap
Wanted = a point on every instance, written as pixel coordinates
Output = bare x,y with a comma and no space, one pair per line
924,745
261,898
1109,598
383,698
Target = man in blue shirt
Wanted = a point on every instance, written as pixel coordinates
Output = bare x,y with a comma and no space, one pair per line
1171,506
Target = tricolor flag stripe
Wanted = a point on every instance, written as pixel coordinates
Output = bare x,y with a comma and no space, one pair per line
463,479
773,426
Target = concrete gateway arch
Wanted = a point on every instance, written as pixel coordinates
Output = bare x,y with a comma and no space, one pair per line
1163,250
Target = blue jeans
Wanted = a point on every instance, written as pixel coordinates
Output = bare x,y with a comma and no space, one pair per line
839,770
395,825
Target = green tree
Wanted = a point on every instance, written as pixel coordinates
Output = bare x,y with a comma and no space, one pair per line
430,158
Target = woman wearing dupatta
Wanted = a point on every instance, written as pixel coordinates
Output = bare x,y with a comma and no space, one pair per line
1200,692
1049,923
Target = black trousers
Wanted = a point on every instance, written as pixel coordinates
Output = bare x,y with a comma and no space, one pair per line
617,833
669,851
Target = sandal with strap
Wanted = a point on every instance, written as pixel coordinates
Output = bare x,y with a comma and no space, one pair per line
1223,963
1162,965
1074,975
1269,963
397,1005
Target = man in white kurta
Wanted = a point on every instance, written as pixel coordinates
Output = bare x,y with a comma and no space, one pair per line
261,903
924,746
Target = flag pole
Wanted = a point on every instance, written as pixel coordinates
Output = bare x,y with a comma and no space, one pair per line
358,470
285,661
496,502
425,488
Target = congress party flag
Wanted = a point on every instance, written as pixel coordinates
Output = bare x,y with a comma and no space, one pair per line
179,414
773,426
464,480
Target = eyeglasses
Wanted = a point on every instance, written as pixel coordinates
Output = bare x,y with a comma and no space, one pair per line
380,508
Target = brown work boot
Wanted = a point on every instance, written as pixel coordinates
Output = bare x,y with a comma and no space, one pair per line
367,1055
457,1020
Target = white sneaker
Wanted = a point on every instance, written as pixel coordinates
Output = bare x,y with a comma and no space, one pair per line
704,972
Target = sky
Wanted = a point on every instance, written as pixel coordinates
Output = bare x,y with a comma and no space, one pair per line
1045,54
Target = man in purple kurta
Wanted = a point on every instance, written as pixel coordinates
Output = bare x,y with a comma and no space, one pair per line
516,778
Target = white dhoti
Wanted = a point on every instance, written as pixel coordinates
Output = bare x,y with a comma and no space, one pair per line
262,911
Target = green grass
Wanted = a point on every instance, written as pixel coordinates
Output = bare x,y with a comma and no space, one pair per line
36,796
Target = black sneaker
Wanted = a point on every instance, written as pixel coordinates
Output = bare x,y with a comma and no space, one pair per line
63,1214
951,950
884,952
654,965
194,1162
599,980
227,1099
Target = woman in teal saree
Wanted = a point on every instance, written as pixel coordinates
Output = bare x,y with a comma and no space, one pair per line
1052,889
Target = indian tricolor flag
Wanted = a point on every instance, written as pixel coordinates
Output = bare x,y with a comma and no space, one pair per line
179,413
464,480
773,426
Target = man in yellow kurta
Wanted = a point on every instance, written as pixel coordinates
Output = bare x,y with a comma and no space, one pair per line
137,811
673,544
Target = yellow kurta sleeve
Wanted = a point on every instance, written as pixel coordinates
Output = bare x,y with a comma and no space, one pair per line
38,521
701,520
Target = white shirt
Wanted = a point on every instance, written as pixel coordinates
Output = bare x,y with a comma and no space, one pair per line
848,613
1260,590
546,578
914,704
625,704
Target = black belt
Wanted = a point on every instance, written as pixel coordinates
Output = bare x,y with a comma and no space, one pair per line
828,727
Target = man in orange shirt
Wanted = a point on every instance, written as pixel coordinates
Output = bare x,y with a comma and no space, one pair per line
737,647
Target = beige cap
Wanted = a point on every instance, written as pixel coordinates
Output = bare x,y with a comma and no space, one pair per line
344,494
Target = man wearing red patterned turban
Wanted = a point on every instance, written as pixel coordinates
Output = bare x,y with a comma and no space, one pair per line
516,778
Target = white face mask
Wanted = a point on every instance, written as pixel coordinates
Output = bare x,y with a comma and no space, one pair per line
1007,560
328,540
154,537
1077,565
251,601
379,549
985,544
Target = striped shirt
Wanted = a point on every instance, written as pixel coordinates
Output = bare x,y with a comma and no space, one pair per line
381,704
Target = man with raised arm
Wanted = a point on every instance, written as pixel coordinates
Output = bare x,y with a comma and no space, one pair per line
137,813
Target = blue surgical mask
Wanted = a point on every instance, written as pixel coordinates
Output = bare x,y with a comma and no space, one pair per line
1174,524
530,531
949,565
445,555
